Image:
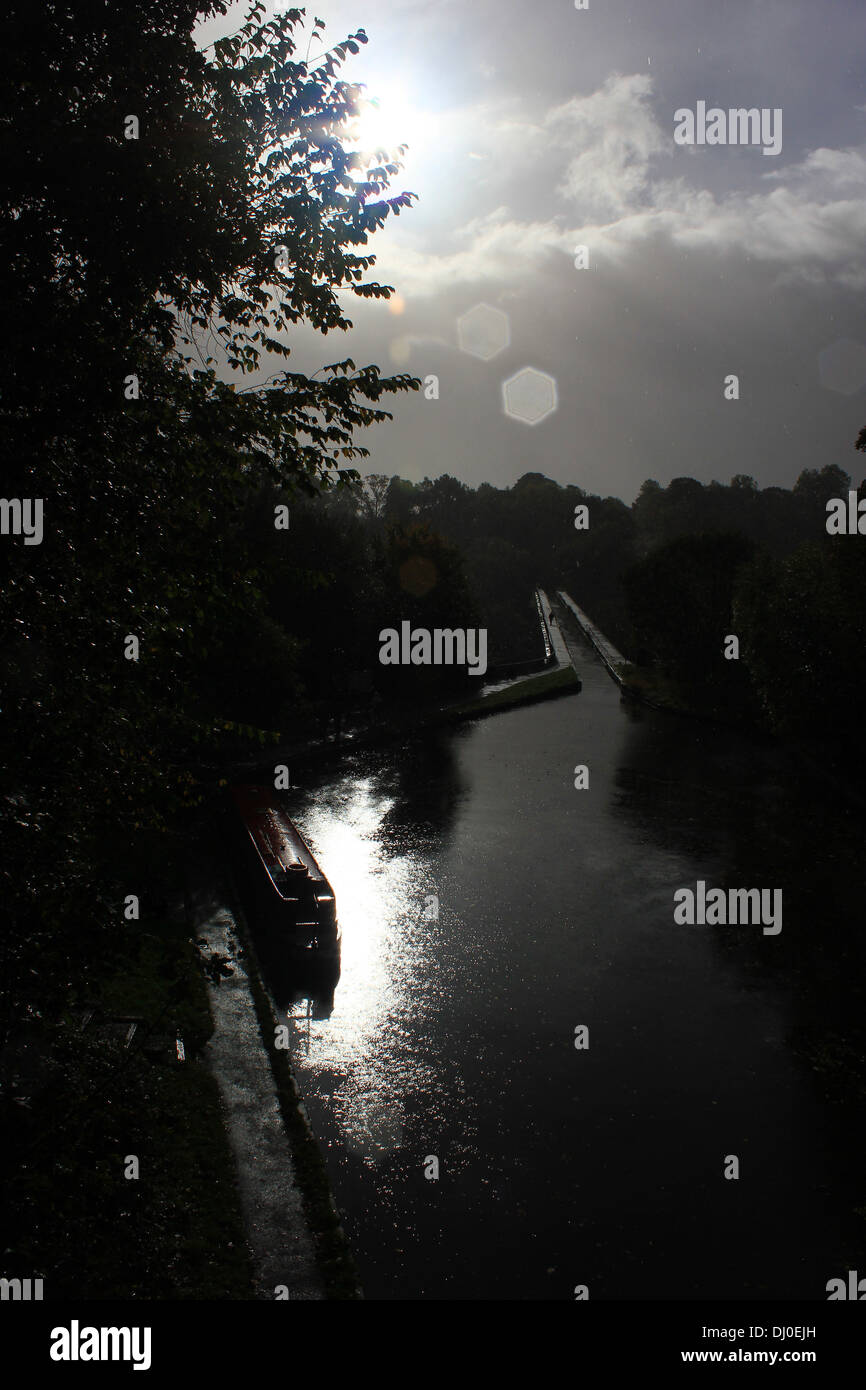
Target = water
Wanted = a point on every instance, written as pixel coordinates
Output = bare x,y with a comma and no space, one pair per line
452,1037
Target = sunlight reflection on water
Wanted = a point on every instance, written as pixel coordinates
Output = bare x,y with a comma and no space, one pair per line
455,1037
362,1054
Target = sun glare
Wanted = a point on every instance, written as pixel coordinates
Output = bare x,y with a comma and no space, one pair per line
388,119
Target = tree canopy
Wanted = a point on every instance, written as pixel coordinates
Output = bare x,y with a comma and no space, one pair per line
171,214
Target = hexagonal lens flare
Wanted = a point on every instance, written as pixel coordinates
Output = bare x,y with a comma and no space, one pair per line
483,331
529,396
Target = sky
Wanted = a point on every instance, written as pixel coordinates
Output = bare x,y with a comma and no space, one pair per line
536,128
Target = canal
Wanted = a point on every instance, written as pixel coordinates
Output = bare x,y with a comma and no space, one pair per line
490,909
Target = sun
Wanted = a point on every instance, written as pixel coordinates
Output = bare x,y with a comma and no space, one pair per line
388,119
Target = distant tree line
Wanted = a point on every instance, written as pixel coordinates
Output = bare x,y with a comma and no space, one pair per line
667,578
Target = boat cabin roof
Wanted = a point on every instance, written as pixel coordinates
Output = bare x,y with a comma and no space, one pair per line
278,842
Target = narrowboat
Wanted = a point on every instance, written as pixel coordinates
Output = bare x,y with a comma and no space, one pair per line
289,893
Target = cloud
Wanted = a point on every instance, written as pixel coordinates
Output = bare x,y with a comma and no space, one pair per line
620,177
799,227
496,248
613,137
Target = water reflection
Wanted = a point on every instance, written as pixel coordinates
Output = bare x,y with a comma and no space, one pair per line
304,990
453,1035
759,817
357,1045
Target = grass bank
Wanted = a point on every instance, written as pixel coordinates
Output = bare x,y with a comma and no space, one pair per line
88,1100
654,688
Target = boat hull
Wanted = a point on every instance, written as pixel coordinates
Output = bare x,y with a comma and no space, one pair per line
287,892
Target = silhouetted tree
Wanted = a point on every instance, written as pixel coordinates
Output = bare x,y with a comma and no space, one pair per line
137,275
